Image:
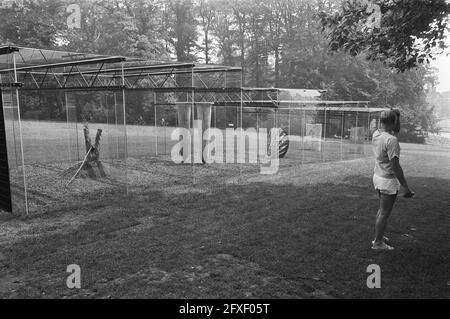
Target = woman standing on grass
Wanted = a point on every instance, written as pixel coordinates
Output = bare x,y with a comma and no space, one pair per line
388,174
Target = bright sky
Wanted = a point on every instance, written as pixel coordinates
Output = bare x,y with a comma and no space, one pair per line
442,62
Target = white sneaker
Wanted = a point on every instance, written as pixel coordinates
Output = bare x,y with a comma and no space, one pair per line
385,240
382,246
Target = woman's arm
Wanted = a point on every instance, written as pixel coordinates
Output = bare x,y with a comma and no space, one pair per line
398,171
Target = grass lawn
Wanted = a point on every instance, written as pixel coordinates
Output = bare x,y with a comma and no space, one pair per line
303,233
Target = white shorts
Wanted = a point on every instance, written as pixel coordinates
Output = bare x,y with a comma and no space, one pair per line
388,186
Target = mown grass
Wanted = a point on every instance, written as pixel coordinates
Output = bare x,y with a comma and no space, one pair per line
303,233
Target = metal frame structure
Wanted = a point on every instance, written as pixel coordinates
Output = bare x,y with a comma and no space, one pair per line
28,69
39,69
36,70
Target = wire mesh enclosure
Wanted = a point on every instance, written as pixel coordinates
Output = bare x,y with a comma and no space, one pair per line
82,127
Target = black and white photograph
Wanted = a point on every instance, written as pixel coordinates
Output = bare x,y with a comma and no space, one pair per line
224,155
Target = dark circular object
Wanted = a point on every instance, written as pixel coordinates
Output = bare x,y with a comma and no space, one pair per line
283,144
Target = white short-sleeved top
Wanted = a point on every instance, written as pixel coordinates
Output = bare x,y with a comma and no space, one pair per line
385,148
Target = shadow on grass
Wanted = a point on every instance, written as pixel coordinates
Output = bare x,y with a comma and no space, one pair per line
290,237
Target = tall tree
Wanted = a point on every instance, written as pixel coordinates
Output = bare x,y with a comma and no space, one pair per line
223,31
183,29
273,15
241,12
405,33
257,56
31,23
207,15
122,27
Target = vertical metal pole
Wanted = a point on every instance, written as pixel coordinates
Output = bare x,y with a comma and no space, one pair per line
225,114
67,126
225,79
193,126
13,117
14,127
124,110
243,148
68,119
76,132
303,130
67,123
165,137
274,123
277,117
106,107
156,124
117,125
289,121
236,124
257,119
368,127
357,133
342,133
323,148
277,110
21,137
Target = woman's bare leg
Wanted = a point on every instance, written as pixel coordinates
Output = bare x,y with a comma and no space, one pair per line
384,211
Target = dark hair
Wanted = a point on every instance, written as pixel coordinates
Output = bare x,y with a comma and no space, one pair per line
391,117
397,121
388,117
